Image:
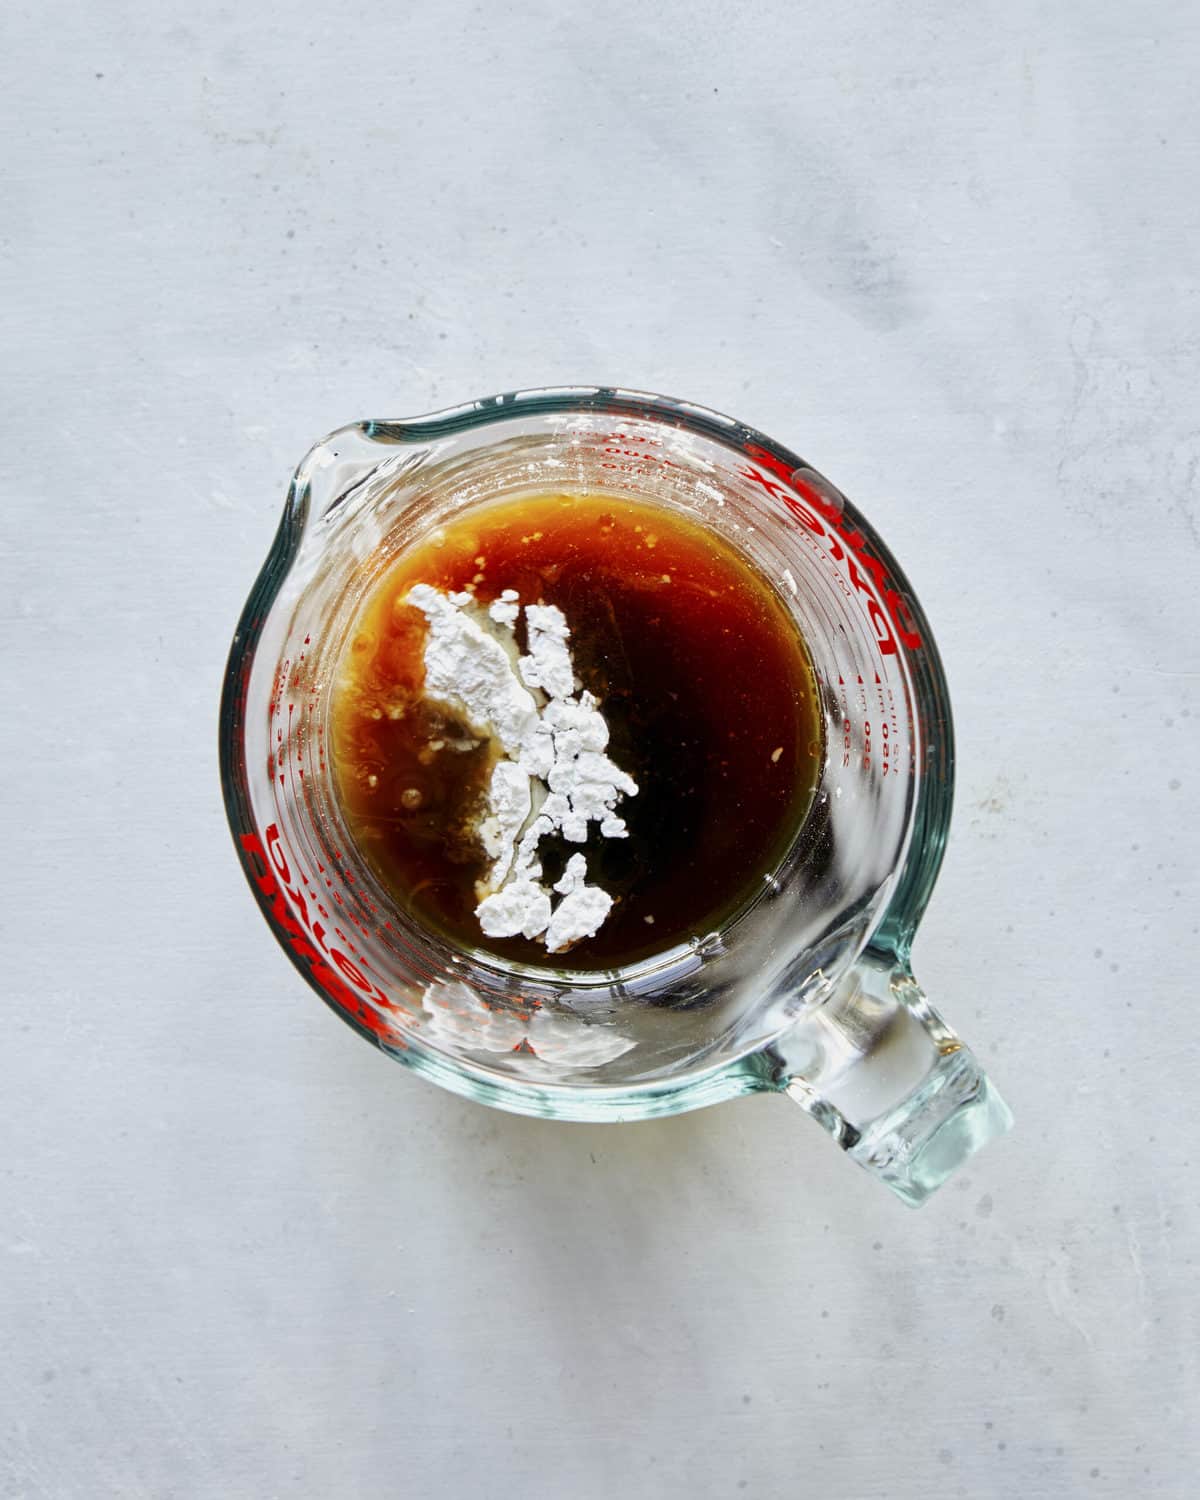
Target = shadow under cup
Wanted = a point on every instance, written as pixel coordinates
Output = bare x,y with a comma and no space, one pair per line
724,1014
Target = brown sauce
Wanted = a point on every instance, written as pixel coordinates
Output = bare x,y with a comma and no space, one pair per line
700,672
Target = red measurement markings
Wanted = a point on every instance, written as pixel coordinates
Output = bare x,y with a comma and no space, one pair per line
889,613
328,967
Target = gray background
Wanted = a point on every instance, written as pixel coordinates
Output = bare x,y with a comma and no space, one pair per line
948,252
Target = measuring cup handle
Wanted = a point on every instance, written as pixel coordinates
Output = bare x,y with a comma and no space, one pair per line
879,1069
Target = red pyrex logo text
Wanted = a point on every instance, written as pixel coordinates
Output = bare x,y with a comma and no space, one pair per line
880,598
328,966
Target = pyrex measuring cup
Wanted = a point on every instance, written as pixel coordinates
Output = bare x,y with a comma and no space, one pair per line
808,989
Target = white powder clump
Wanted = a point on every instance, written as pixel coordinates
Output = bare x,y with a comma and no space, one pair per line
583,906
553,777
509,805
548,664
506,610
467,668
522,907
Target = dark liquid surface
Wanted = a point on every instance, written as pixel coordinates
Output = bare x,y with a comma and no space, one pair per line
702,677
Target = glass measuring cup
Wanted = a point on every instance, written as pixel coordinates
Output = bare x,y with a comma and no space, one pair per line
807,989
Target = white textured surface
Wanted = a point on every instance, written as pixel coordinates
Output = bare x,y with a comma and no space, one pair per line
950,253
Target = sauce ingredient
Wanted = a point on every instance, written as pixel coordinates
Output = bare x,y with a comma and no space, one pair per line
636,635
553,777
